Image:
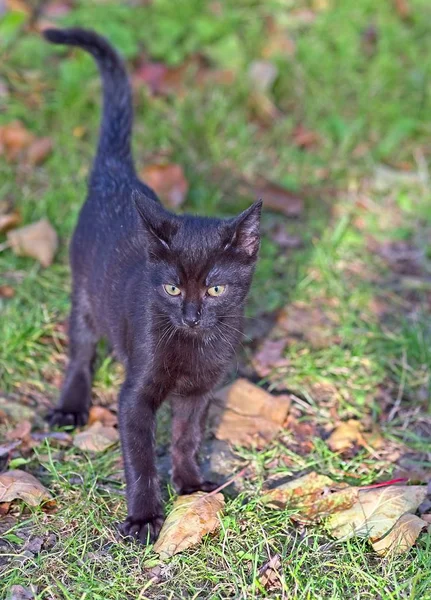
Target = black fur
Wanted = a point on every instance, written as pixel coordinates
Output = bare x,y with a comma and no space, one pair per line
125,247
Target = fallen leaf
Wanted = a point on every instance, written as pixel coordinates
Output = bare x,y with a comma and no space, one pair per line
19,592
14,138
376,511
278,41
386,178
345,435
369,39
18,484
38,151
6,291
56,9
278,198
402,256
248,415
38,240
153,75
9,221
33,545
20,432
309,323
269,575
401,537
269,357
284,239
262,74
305,138
403,9
99,414
312,497
191,517
168,181
262,108
96,438
302,434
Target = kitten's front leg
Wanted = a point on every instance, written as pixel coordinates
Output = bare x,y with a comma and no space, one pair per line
188,426
137,420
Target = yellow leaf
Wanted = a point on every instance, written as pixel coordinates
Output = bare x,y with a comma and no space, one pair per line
38,240
96,438
401,537
376,511
191,518
345,436
18,484
313,497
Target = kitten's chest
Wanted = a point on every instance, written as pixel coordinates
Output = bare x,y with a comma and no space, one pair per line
191,367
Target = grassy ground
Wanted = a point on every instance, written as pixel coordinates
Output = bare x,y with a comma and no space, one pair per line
359,79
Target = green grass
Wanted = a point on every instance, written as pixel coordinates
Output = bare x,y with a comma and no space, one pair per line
368,110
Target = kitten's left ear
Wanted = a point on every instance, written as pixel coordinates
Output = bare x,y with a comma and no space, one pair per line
246,235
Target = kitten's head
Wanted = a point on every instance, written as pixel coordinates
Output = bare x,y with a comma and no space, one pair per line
200,268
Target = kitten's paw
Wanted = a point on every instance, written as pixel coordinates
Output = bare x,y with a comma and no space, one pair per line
204,486
60,418
145,531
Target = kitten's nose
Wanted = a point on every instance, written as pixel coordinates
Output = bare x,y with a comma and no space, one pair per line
191,321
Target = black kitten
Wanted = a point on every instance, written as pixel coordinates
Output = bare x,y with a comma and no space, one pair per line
167,291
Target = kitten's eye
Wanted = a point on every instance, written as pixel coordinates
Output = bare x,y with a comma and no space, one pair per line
171,289
216,290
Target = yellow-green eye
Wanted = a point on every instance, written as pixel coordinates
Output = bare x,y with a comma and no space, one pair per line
216,290
172,289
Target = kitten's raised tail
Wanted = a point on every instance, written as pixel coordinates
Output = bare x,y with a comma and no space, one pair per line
116,127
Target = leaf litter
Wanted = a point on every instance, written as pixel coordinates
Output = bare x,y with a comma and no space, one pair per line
191,517
17,484
38,240
245,414
383,513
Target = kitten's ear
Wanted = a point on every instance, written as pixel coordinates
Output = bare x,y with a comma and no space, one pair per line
246,230
158,223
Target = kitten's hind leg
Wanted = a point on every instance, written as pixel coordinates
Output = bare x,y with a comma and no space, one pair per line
75,398
188,426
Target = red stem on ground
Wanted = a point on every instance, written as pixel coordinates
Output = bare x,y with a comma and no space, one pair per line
384,483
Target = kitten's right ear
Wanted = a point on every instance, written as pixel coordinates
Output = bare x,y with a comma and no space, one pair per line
158,223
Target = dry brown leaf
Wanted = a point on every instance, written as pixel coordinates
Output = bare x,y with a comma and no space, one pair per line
269,357
376,511
305,138
269,575
302,321
312,496
38,151
9,221
20,432
99,414
284,239
6,291
401,537
18,484
278,42
168,181
262,74
19,592
302,434
38,240
345,435
191,518
248,415
403,9
96,438
263,110
278,198
14,138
